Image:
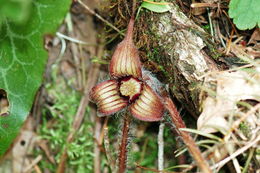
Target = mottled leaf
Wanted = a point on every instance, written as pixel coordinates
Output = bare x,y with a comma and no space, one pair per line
15,11
23,58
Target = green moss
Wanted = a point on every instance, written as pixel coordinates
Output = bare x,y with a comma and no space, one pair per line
207,39
57,120
245,128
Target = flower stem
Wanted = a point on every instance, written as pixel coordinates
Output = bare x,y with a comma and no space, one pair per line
123,146
187,139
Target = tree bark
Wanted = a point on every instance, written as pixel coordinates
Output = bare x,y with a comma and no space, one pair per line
182,45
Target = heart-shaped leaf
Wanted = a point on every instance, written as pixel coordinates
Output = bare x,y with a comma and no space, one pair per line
23,58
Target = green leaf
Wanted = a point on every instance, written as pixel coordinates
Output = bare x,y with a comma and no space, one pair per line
213,137
22,61
245,13
156,6
16,11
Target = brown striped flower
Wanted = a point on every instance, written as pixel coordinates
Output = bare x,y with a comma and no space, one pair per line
127,88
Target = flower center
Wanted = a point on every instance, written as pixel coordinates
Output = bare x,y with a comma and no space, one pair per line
130,87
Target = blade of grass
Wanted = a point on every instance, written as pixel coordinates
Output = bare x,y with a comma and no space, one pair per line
201,133
250,156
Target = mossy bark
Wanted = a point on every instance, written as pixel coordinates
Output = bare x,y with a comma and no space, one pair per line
182,55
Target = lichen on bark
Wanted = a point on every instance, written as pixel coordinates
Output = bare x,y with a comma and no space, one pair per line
183,57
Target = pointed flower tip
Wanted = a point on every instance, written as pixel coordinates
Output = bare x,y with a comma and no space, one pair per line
125,60
130,29
148,107
107,97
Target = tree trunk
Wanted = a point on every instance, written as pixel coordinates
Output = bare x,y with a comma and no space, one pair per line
182,46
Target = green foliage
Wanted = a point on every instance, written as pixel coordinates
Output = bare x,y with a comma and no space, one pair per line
147,156
66,101
246,13
156,7
23,57
16,11
144,152
245,128
210,136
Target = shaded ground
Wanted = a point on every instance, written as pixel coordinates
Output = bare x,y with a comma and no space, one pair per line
78,62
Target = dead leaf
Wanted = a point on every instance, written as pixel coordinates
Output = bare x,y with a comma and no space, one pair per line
255,37
231,87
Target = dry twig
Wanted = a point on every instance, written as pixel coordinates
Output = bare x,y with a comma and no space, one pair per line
235,154
92,79
160,147
237,122
34,162
97,160
100,17
110,159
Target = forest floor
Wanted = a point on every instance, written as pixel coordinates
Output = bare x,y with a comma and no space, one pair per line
64,133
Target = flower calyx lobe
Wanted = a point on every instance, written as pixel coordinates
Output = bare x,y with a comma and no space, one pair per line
107,97
125,60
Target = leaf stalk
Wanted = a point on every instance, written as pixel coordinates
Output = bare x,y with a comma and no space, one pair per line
187,139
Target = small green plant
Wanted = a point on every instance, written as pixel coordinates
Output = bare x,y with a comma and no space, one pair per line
158,7
245,13
80,155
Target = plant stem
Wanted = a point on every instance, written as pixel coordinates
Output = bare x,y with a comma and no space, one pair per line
160,147
123,146
97,160
187,139
250,156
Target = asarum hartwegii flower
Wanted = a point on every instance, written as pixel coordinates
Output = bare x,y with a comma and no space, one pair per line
127,88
